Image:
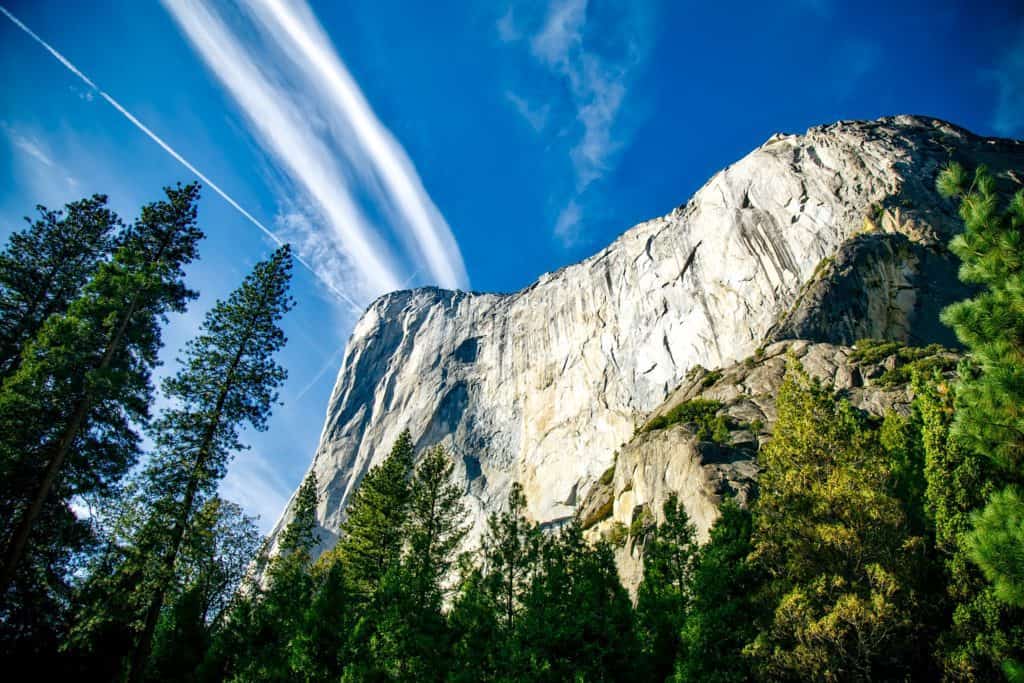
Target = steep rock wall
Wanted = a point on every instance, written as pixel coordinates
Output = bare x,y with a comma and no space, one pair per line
544,385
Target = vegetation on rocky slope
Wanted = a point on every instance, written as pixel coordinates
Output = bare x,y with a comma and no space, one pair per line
884,544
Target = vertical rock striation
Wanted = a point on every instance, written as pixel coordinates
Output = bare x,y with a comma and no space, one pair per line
544,385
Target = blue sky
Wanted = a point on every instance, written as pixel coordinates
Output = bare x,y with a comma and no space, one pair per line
467,144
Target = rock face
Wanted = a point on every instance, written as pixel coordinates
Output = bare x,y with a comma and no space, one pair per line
673,461
544,385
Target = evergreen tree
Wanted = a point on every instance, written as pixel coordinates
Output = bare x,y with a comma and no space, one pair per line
372,534
991,324
320,649
412,635
577,622
833,542
274,617
664,594
370,553
216,555
66,414
44,267
228,378
487,611
982,631
723,615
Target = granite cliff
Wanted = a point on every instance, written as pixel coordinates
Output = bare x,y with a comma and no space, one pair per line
833,235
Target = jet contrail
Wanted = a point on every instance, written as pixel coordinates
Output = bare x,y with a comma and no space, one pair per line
180,159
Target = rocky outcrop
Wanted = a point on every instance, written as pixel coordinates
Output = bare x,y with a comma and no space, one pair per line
658,463
543,386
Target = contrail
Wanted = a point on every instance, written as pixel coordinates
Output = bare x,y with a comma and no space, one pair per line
180,159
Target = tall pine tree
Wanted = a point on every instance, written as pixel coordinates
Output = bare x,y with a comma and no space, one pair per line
229,378
981,632
412,632
266,624
989,419
486,615
44,267
372,534
663,597
722,617
66,414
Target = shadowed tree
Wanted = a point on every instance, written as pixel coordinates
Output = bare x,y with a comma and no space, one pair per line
44,267
66,414
663,597
229,378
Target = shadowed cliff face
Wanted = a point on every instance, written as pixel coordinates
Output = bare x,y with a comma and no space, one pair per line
543,385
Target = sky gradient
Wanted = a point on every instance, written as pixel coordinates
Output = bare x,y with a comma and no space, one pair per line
469,144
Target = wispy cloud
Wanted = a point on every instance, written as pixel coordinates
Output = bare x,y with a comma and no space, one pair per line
535,115
308,113
574,47
28,145
253,482
324,277
1008,76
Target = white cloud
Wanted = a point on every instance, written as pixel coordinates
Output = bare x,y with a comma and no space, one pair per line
323,276
597,79
567,226
1008,117
536,116
28,145
310,115
561,34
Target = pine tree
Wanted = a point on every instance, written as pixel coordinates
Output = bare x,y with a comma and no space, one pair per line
989,419
229,378
320,649
577,621
214,560
413,634
370,553
723,615
663,597
486,614
372,534
834,543
436,526
44,267
275,616
66,414
982,632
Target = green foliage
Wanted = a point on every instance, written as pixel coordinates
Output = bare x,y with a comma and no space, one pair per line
228,379
997,544
577,622
603,512
67,414
44,267
710,378
722,616
485,618
664,595
980,630
874,350
988,419
702,414
371,536
833,543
